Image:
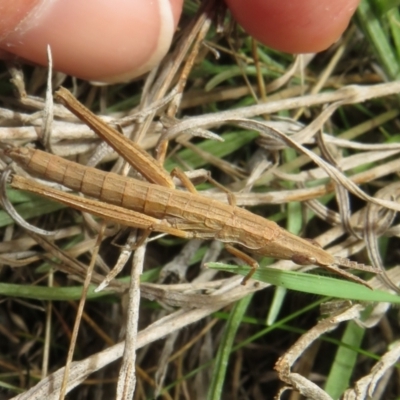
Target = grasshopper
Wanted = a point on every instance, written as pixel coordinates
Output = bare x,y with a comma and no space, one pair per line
158,206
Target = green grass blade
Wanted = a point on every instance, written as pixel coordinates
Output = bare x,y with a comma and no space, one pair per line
371,24
47,293
383,6
345,361
311,283
225,348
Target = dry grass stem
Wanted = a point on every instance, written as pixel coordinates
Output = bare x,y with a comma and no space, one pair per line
285,363
309,142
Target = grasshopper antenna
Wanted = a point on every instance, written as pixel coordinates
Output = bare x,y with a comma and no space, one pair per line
345,262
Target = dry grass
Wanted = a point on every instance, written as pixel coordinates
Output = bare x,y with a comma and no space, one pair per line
309,142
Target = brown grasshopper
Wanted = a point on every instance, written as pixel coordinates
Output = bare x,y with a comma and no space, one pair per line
159,207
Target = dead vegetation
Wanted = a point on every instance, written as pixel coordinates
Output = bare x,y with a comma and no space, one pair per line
310,143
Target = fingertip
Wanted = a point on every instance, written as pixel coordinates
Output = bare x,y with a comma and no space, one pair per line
12,12
102,41
305,26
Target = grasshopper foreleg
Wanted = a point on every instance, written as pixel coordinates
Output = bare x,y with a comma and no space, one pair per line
186,182
244,257
176,172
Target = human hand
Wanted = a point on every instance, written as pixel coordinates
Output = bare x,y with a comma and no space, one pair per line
115,41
